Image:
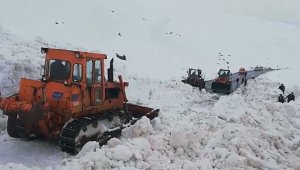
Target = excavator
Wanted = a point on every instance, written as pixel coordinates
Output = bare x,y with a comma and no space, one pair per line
222,83
72,103
195,78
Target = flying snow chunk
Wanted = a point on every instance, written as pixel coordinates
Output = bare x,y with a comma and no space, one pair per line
156,123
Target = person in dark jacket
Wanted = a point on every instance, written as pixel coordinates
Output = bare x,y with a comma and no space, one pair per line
290,97
282,88
281,98
245,83
59,70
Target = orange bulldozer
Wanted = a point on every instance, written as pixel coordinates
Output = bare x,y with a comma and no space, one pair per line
73,102
222,83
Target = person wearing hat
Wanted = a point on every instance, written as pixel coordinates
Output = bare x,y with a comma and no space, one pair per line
282,88
290,97
280,98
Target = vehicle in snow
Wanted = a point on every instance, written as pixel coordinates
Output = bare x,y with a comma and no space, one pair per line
242,70
195,78
222,84
73,102
258,68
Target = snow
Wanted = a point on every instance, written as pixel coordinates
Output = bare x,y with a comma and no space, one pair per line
195,130
253,135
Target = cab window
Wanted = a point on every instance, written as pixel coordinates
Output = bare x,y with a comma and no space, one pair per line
97,75
77,73
59,70
89,72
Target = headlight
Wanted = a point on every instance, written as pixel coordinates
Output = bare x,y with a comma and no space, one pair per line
66,83
44,78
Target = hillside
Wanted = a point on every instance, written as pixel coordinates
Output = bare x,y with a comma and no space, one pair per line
170,35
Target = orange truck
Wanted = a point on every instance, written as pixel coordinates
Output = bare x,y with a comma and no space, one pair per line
73,102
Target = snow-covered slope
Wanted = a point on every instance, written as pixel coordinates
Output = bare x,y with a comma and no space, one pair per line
195,130
168,35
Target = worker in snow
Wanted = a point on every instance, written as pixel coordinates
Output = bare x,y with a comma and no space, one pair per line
237,82
290,97
281,98
55,70
282,88
245,83
59,70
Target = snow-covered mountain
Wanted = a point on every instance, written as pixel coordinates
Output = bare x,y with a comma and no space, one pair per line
168,35
161,39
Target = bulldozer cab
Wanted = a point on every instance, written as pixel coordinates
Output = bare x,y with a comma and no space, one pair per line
194,73
224,73
77,78
75,71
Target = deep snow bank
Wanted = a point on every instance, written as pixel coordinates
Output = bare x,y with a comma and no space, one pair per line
246,130
18,59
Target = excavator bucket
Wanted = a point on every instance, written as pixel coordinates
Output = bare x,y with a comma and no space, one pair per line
220,87
138,111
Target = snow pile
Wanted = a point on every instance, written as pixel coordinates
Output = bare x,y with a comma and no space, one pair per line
240,131
252,128
18,59
132,150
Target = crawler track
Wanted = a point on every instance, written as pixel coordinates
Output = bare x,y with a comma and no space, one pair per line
16,129
91,128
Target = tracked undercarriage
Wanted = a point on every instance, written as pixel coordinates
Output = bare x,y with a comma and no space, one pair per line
92,128
78,131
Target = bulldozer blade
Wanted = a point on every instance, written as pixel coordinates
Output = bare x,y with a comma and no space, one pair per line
138,111
221,87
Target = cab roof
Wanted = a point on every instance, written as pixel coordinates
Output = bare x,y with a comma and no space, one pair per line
79,54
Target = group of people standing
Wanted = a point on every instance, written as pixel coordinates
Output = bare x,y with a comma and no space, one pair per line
281,98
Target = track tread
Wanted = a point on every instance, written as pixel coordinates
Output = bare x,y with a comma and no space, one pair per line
72,129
